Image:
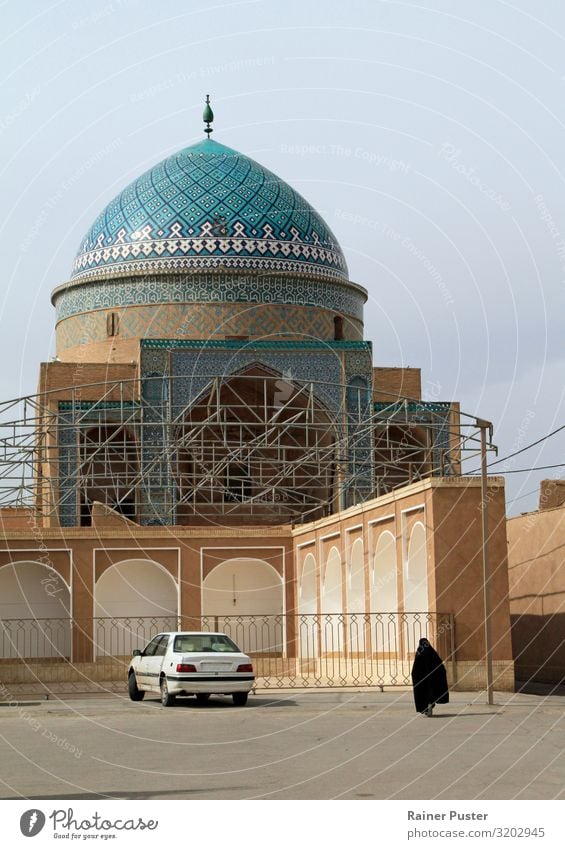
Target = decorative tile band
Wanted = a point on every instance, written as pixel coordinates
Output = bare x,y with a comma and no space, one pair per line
97,405
175,254
265,345
203,321
341,298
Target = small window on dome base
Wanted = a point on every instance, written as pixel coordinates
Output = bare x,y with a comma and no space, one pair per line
112,324
338,328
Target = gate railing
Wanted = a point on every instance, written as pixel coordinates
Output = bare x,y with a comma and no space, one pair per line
288,650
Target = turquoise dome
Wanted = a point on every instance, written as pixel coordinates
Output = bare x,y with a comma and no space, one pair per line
209,207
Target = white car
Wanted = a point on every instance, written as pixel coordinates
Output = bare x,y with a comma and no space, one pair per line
190,663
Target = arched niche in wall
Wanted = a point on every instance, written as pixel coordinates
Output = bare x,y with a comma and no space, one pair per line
307,591
355,598
332,596
416,577
133,600
243,597
356,579
35,605
416,587
384,595
308,620
332,604
384,586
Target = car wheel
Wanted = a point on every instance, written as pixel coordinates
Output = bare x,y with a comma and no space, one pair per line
167,699
135,693
202,698
240,699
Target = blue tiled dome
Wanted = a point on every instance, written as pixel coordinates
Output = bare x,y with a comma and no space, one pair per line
209,207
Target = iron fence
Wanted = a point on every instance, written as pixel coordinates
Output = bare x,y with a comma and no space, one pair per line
288,650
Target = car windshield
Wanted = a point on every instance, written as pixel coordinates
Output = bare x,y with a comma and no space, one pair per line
204,642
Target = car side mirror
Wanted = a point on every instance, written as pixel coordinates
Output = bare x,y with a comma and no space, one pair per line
136,653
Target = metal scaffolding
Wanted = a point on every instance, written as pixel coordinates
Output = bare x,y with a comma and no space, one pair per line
250,448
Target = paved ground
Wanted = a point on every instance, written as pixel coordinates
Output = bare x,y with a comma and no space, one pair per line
307,745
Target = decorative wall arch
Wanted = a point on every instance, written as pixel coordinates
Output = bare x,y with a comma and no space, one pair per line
416,571
30,589
384,578
243,596
332,596
384,595
133,600
242,586
355,598
135,587
35,603
356,578
308,588
308,622
332,604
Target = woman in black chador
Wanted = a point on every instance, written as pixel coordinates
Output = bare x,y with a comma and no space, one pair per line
429,679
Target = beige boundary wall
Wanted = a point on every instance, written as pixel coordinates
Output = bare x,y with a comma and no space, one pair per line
431,557
450,512
536,560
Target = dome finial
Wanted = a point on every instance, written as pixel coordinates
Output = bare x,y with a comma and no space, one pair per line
208,116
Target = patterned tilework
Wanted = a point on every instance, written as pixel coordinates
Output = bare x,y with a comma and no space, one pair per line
200,321
342,298
68,461
359,359
157,498
194,363
260,344
359,399
194,370
207,206
359,370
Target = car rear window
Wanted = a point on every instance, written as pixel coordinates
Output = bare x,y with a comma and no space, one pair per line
204,642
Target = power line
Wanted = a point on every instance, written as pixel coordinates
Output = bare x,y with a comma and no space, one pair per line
524,495
533,469
521,451
527,447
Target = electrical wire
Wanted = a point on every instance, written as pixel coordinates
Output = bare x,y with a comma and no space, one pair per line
527,447
533,469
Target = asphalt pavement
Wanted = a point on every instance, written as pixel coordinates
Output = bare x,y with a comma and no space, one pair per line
294,745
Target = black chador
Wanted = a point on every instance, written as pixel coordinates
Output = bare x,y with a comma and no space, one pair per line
429,679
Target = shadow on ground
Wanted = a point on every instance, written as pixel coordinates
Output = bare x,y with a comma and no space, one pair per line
533,688
224,704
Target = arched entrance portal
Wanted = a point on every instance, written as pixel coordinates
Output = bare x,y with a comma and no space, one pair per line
244,597
133,601
255,448
34,612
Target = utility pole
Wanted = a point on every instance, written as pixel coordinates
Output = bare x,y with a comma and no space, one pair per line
482,424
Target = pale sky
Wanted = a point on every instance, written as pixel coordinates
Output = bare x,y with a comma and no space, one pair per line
430,136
